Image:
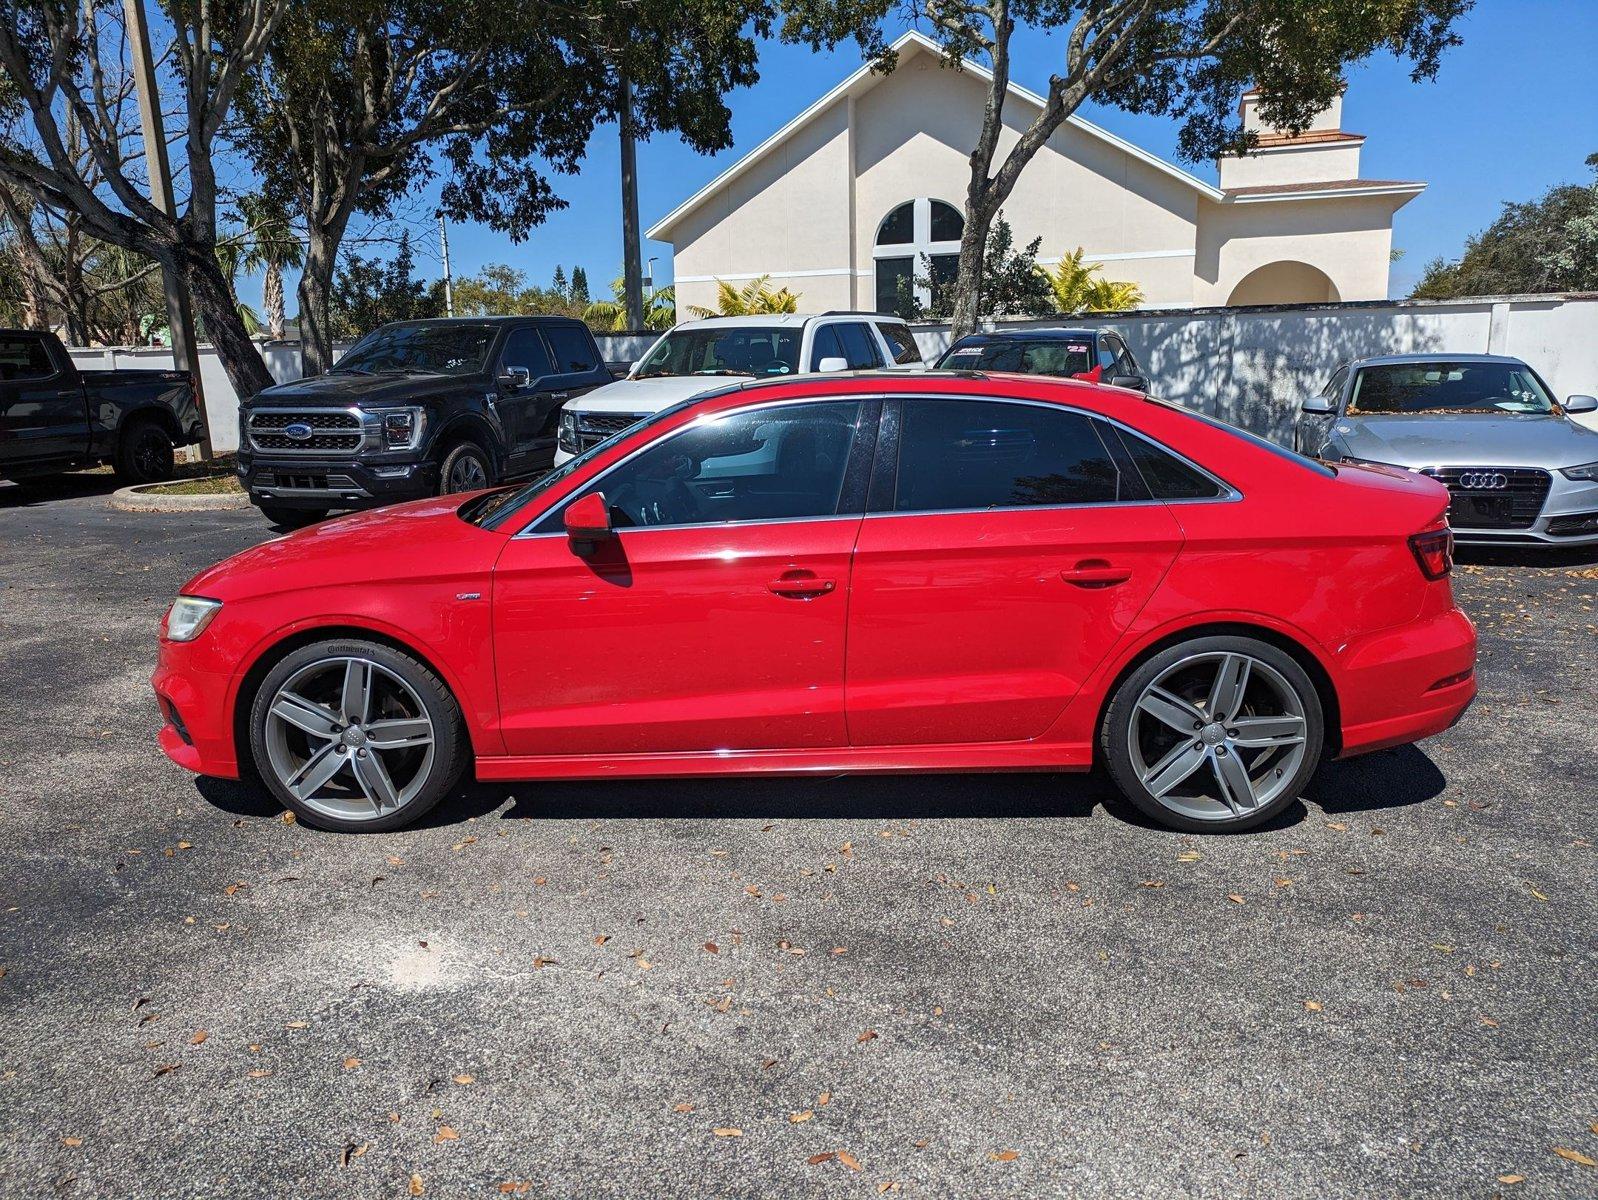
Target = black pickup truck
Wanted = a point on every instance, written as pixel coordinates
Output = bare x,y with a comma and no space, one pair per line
416,408
54,417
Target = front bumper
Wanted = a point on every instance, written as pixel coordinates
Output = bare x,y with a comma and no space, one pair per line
317,483
197,733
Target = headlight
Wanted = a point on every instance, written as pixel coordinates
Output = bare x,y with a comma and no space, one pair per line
1586,473
188,617
568,431
402,428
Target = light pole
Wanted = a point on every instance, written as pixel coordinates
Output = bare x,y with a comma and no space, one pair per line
449,286
179,314
631,270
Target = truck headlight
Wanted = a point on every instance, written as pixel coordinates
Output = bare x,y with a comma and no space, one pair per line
568,431
188,617
1586,473
402,428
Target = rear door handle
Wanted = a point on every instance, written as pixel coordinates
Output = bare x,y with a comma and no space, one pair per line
801,585
1095,573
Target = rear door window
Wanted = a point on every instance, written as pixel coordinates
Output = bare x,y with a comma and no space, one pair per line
959,455
24,356
903,343
859,347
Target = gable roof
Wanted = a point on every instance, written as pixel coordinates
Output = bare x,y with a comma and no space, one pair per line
864,79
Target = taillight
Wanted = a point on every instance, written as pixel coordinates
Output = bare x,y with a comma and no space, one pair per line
1434,551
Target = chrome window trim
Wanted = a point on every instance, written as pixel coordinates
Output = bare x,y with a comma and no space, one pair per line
702,418
1231,494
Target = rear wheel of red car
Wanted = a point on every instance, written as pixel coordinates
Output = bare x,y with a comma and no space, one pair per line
356,736
1214,733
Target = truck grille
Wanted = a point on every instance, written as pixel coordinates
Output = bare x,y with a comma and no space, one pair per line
1492,497
330,430
593,428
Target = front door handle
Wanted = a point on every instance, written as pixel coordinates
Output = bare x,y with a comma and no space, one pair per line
801,585
1095,573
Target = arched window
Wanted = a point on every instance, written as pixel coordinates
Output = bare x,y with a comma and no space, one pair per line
917,228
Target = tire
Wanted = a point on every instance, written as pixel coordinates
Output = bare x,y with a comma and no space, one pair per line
360,786
1180,767
466,468
292,518
144,453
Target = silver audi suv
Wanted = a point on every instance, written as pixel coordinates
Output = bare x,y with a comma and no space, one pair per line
1517,468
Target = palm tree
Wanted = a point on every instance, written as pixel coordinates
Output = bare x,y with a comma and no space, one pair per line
755,298
1078,288
610,316
271,248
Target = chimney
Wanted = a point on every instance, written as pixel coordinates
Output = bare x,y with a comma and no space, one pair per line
1322,153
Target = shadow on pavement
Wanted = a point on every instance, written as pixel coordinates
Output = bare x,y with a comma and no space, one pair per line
1526,556
1388,779
47,488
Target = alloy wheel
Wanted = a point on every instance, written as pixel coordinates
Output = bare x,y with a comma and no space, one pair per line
1217,736
466,474
350,739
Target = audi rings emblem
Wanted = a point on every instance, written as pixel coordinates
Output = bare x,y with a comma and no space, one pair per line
1483,481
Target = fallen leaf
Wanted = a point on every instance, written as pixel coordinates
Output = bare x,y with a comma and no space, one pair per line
683,1108
824,1099
800,1117
825,1156
259,1073
288,819
1575,1156
849,1160
199,1037
463,1080
866,1036
601,938
712,948
297,1025
72,1141
1511,1179
1005,1156
166,1069
416,1184
1536,894
1337,825
887,1185
728,1131
445,1134
1234,898
1489,1022
351,1063
1313,1005
1189,856
540,962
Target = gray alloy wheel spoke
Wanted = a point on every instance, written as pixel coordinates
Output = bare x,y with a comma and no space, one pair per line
1171,710
1236,788
1176,766
356,696
316,771
399,733
1226,693
373,777
306,714
1268,731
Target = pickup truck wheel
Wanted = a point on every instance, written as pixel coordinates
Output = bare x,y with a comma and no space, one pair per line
144,454
466,468
292,518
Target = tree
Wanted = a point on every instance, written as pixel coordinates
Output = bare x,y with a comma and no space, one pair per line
754,298
610,316
1545,245
1182,58
368,293
1079,287
579,289
66,73
502,291
271,247
559,285
1013,285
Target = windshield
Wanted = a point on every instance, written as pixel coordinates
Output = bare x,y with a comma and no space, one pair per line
496,508
730,350
420,349
1060,358
1449,387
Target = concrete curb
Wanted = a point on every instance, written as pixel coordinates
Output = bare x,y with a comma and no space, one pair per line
139,499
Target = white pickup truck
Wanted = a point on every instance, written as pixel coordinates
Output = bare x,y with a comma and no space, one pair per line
696,357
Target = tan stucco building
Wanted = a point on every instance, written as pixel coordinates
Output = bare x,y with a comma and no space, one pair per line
840,202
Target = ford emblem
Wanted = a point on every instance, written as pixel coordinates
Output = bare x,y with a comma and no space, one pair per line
297,432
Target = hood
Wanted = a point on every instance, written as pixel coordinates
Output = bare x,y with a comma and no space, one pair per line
350,387
424,539
1460,440
651,395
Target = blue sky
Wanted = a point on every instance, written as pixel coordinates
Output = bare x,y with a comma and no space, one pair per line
1512,112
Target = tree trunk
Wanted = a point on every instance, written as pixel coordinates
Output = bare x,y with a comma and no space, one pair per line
316,282
967,314
215,306
272,301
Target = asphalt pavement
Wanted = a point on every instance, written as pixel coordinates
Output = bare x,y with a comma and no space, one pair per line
964,986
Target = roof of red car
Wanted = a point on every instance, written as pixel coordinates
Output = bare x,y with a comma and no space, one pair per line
997,384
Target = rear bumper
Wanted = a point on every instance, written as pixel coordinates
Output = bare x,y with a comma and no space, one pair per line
1405,684
334,483
197,730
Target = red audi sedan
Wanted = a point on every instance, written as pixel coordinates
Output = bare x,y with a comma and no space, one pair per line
942,572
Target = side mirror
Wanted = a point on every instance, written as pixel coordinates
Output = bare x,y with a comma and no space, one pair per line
1581,404
516,378
588,518
833,363
1136,382
1318,405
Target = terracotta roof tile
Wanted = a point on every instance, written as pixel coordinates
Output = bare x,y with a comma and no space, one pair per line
1309,138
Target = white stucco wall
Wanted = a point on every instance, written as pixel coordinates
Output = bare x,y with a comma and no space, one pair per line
1348,239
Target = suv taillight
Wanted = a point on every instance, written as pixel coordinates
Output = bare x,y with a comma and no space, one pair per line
1434,551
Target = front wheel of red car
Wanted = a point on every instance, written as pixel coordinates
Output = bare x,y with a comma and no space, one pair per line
356,736
1216,733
